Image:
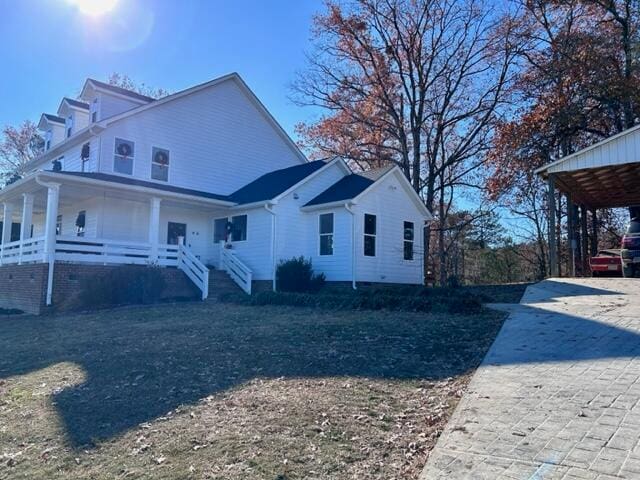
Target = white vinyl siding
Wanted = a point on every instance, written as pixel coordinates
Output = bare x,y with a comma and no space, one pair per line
218,139
392,206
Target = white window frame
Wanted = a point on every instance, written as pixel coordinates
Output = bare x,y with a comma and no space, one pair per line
152,163
68,126
59,225
133,157
80,231
226,220
331,234
47,139
93,110
412,241
373,235
246,227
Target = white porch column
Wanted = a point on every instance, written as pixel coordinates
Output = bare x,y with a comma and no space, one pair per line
27,216
154,227
53,196
6,223
25,224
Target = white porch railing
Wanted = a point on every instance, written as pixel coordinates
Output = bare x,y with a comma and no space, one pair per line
95,250
195,270
238,271
31,250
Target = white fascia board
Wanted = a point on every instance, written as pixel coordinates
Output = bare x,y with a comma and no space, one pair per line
408,188
545,168
243,86
106,91
336,160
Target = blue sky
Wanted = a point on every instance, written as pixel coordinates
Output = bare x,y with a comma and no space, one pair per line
48,48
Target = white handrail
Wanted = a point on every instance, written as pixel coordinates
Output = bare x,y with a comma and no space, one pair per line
197,271
238,271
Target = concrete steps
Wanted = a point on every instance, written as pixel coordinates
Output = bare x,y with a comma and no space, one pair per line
220,283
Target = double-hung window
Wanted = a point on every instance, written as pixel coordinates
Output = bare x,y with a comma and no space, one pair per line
123,155
85,153
94,110
59,225
220,226
409,233
369,235
160,164
47,140
326,233
238,228
69,125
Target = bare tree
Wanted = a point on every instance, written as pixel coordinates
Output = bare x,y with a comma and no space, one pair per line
18,146
418,83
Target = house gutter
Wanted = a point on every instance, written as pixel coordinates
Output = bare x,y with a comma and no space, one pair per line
347,207
269,208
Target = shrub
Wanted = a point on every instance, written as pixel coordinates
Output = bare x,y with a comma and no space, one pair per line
123,286
296,275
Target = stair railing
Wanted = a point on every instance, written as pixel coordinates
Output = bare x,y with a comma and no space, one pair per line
197,271
238,271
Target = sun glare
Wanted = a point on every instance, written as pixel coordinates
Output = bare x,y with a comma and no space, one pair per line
94,8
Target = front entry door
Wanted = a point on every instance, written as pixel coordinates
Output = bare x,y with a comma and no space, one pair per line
175,230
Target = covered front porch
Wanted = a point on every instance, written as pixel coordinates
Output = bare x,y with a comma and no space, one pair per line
52,217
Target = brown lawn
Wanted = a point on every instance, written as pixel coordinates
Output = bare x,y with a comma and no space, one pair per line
231,392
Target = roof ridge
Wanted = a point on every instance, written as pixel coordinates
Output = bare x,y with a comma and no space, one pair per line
121,90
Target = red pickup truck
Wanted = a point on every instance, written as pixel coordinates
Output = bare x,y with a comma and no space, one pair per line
606,263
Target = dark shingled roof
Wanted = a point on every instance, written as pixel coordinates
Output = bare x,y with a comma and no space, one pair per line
274,183
344,189
53,118
141,183
121,91
76,103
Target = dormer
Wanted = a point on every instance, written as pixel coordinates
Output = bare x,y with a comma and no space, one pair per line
75,114
53,129
106,100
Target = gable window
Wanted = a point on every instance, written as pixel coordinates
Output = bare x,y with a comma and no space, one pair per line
59,225
123,156
69,125
220,230
160,164
80,223
408,240
94,110
238,228
47,141
84,156
369,235
326,233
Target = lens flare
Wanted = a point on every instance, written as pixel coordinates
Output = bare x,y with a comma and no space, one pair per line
94,8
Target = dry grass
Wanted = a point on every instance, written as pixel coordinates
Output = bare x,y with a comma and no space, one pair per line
229,392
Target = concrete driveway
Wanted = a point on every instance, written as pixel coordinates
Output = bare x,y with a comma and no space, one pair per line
558,394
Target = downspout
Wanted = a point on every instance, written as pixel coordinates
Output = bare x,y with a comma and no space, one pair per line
51,259
269,208
347,206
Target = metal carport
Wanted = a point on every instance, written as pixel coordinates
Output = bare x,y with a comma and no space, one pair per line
604,175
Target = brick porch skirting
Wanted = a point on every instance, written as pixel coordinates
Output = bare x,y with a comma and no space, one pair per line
25,286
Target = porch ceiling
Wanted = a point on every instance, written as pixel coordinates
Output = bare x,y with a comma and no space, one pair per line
608,186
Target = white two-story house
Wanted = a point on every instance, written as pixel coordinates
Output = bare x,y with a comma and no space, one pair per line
204,178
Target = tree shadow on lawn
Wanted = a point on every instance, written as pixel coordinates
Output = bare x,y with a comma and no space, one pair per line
142,363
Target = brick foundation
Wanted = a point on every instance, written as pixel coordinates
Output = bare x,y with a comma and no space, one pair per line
25,286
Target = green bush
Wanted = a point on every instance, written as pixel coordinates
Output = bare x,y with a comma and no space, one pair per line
123,286
296,275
